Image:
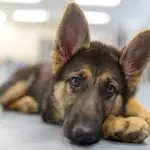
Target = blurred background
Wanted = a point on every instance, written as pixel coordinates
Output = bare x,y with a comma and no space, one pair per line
28,27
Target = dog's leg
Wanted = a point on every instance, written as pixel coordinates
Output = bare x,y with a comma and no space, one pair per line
129,129
14,88
26,104
134,108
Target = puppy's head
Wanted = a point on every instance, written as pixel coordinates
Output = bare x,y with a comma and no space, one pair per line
93,80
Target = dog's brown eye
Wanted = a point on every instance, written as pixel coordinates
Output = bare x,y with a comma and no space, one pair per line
76,81
110,91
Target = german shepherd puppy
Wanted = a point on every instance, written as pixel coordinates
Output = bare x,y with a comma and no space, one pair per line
89,89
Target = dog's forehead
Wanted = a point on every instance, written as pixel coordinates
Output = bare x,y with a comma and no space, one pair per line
98,58
108,52
98,54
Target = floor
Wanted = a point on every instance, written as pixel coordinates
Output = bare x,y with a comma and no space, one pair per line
23,132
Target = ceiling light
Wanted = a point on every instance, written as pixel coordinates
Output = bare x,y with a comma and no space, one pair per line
31,16
97,17
102,3
3,18
21,1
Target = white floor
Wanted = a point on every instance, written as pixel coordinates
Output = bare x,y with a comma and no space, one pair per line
21,132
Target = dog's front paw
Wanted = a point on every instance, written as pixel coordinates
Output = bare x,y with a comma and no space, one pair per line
131,129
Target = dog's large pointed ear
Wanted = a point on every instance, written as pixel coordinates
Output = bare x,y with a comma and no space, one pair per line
135,57
72,34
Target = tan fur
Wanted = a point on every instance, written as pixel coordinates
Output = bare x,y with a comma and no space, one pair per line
62,93
130,129
57,62
59,91
26,105
86,73
16,91
105,75
134,108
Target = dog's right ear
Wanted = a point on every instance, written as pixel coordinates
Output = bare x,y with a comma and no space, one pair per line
72,34
135,57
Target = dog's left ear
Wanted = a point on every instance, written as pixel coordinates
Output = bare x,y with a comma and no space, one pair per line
135,57
72,34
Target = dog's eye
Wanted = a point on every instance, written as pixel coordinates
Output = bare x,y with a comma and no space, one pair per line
75,81
110,90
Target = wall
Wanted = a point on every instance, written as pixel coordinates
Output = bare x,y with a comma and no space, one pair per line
20,42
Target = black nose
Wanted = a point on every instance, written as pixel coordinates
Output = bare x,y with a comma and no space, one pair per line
85,135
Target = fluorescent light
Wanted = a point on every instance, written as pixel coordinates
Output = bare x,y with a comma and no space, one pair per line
3,18
97,17
102,3
31,16
21,1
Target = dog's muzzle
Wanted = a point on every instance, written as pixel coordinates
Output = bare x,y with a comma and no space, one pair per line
83,134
